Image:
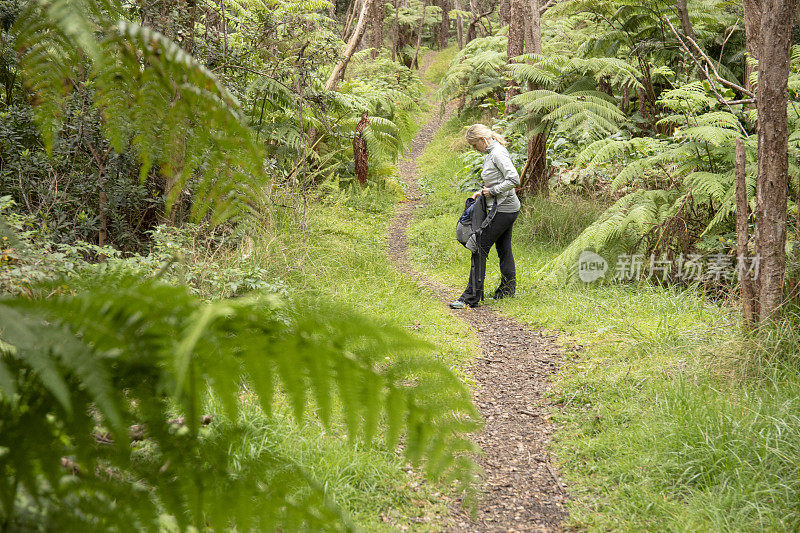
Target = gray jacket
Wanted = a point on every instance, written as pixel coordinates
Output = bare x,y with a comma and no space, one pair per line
500,177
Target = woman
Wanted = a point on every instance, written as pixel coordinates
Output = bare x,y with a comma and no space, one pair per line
499,179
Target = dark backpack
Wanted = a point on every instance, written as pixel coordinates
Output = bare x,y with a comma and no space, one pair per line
473,220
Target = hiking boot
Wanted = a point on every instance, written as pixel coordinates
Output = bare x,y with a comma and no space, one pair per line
458,304
500,295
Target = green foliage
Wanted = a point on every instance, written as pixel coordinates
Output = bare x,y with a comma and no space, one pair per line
441,63
388,92
477,72
122,352
174,112
587,111
560,70
676,190
565,99
205,258
668,420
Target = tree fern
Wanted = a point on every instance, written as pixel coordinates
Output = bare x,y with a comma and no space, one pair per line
663,178
177,115
620,228
587,111
553,70
477,71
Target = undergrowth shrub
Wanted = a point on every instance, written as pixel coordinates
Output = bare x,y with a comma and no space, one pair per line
213,262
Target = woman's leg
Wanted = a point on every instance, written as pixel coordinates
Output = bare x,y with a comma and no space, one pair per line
508,268
474,291
473,294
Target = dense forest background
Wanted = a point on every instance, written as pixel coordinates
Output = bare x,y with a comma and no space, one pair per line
199,326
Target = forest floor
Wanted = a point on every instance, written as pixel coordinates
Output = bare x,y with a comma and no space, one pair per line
521,489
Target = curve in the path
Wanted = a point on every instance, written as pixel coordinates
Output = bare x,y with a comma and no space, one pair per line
521,490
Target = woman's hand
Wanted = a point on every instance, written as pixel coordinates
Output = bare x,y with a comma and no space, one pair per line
483,191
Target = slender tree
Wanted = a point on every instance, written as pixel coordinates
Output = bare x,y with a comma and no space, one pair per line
773,133
683,15
376,23
516,46
473,10
421,27
352,9
444,31
395,29
459,26
752,31
535,173
504,10
743,237
360,150
350,48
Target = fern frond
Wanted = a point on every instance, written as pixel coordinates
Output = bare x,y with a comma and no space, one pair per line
152,94
136,351
621,227
590,111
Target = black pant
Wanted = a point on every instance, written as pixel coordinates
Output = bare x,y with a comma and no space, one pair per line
498,233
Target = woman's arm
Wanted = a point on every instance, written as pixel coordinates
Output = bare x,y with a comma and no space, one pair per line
503,163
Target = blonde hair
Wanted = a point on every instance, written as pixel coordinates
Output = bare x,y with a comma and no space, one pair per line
480,131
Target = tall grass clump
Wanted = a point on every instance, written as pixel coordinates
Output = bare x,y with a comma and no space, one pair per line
557,220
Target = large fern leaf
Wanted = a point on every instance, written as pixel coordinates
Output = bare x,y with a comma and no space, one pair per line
138,351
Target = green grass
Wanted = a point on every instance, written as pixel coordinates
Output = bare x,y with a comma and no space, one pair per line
371,484
440,63
661,428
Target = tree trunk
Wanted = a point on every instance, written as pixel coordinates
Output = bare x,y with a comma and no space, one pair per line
604,85
626,98
376,35
473,9
415,62
360,150
742,238
773,131
349,50
535,175
504,11
642,104
533,29
459,26
686,24
516,43
395,29
352,9
752,31
796,247
444,32
102,234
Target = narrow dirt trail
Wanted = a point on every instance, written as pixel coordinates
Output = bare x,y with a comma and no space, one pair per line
521,490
